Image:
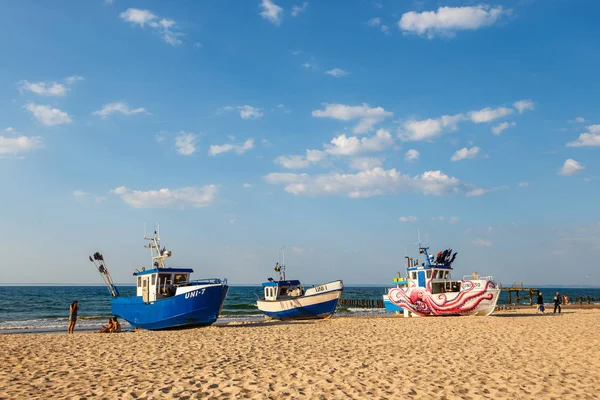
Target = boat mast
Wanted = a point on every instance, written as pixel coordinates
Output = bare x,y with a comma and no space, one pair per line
158,256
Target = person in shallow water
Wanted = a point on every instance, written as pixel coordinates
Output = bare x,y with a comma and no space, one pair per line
73,308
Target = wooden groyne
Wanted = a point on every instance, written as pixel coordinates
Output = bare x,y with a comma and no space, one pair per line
516,289
361,303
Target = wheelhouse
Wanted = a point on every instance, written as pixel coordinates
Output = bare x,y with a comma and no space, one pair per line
276,290
158,283
435,273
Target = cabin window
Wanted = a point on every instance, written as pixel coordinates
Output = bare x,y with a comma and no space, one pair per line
139,281
428,273
153,279
180,278
414,275
145,280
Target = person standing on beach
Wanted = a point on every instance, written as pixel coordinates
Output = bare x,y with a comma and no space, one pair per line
557,302
73,308
540,302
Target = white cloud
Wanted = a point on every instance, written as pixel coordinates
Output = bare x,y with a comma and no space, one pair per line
16,144
465,153
523,184
415,130
271,12
350,146
196,197
81,195
309,66
118,107
365,163
49,88
246,185
589,139
237,148
412,155
373,22
578,120
164,26
489,114
410,218
185,143
249,112
476,192
337,73
48,115
482,242
373,182
498,129
367,117
570,167
298,162
297,10
447,20
450,220
523,105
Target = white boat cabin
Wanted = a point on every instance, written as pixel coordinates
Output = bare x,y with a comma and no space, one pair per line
276,290
159,283
434,273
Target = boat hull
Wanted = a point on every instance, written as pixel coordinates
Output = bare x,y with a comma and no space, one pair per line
477,297
389,306
199,306
317,306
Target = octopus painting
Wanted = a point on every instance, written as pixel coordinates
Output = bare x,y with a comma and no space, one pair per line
474,298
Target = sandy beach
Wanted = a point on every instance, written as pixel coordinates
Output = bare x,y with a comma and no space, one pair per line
516,354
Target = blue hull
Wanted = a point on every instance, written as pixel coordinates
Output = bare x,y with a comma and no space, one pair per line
172,312
389,306
321,310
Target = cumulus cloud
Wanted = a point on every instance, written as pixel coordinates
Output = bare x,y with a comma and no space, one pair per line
489,114
523,105
50,88
81,195
297,10
373,182
376,22
465,153
246,185
446,21
48,115
185,143
16,144
246,111
498,129
298,162
571,167
416,130
236,148
195,197
410,218
337,73
271,12
167,28
120,108
367,117
591,138
577,120
350,146
412,155
523,184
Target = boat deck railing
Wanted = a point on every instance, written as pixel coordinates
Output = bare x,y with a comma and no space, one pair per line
204,281
470,277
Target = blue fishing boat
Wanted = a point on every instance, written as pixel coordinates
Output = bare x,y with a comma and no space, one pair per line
288,300
165,297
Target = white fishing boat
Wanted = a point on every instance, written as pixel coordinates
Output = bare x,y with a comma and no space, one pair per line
288,299
432,292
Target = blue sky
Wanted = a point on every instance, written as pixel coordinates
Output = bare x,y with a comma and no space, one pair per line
335,129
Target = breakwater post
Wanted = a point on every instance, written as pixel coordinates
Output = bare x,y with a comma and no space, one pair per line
361,303
529,293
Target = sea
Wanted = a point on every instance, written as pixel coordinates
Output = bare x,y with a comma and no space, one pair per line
46,308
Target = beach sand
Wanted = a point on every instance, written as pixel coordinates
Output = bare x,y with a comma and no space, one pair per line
516,355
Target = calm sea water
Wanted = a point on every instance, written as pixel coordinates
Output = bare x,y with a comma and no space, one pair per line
46,308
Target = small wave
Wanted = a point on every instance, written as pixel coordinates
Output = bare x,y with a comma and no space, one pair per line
240,306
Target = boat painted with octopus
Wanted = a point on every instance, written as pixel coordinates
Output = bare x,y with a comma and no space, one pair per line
430,290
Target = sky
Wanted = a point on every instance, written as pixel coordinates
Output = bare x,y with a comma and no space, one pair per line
344,131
